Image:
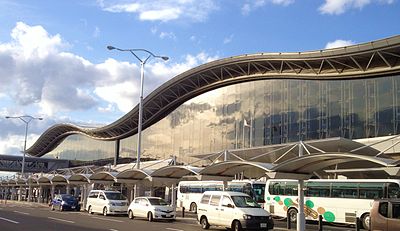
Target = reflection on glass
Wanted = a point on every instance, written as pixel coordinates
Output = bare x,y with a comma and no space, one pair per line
279,111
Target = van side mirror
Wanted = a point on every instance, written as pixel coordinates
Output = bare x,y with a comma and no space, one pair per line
231,206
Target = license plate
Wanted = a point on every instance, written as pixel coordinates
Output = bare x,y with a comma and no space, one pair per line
73,207
263,225
168,215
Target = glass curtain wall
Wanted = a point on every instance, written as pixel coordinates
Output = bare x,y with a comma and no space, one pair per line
269,112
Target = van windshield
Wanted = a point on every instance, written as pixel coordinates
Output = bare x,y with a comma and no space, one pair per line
115,196
245,202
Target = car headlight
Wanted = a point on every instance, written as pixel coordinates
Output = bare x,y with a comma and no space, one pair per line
246,217
112,204
157,210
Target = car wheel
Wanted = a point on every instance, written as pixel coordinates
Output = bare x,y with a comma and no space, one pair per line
193,207
292,215
204,223
150,217
105,211
236,226
130,214
90,211
365,221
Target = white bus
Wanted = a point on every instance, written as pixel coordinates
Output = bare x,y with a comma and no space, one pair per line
190,192
340,201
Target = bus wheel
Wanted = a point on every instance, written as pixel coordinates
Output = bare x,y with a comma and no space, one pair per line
365,221
292,215
193,207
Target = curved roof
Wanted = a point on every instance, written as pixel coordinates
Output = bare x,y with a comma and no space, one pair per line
315,162
103,177
250,169
358,61
79,178
132,175
58,179
176,171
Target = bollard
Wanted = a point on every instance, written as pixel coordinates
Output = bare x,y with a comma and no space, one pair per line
358,224
183,211
288,222
320,222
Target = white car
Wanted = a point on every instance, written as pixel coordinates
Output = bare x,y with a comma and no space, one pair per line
106,202
234,210
152,208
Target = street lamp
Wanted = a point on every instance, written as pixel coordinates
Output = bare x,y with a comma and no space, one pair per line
26,119
142,63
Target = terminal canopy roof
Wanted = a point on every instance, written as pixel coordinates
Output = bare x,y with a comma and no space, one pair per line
133,175
79,178
103,177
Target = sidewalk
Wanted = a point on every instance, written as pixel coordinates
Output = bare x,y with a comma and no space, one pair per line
13,202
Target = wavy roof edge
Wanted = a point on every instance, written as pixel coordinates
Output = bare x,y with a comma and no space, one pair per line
365,59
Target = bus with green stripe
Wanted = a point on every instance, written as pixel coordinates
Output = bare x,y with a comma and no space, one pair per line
336,200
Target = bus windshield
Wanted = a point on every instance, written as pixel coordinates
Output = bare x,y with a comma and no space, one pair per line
245,202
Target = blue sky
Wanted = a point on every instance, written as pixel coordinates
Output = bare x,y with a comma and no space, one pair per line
54,62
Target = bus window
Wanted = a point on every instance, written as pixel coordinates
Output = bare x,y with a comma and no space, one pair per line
195,189
183,189
277,188
393,190
212,187
371,190
318,189
344,190
291,188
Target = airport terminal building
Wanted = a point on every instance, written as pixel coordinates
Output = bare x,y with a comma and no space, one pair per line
255,102
303,115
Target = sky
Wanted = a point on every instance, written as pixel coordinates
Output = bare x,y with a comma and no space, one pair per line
54,62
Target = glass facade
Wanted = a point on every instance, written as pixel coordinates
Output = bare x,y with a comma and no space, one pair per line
260,113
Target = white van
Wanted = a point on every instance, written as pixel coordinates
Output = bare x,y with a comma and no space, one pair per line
106,202
234,210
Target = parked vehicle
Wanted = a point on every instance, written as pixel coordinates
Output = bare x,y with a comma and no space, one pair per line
151,208
190,192
385,215
63,202
337,200
106,202
234,210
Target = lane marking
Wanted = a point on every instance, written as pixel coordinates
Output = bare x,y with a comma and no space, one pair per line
105,219
21,212
174,229
58,219
113,229
5,219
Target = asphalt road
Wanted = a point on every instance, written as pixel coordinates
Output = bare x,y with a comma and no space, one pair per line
16,216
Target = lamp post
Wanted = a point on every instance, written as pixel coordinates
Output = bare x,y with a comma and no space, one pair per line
26,119
142,63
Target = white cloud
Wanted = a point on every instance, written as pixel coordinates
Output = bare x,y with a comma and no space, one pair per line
340,6
38,77
163,10
339,43
251,5
228,39
96,32
126,94
169,35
